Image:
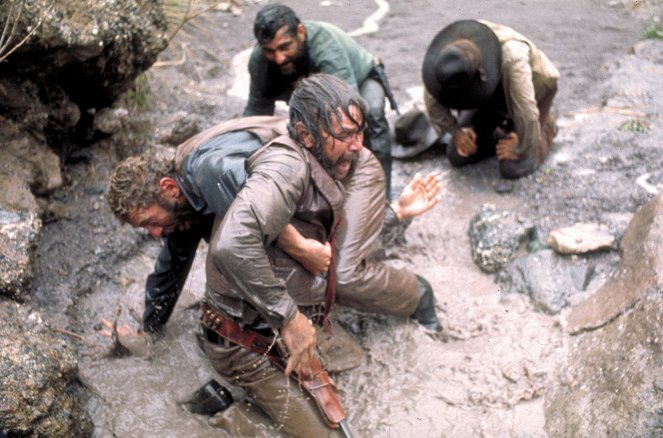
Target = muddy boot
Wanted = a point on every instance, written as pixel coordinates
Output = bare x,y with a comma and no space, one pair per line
425,312
209,399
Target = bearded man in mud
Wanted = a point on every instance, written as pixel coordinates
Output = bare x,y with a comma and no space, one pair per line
179,199
260,305
288,49
502,88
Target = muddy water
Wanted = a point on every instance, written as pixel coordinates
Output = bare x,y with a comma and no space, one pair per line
487,376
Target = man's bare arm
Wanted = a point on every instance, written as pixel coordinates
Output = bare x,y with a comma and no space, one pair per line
313,255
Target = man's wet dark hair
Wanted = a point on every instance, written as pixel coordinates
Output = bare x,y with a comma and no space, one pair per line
270,19
317,101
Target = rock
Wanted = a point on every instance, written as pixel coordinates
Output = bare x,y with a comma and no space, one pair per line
111,120
495,236
548,279
640,268
28,167
81,58
615,368
581,238
18,234
180,128
614,372
38,372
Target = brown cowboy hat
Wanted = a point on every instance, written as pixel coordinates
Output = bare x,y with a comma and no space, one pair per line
413,134
451,77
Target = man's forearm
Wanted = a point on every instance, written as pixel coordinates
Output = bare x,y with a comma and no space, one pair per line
165,283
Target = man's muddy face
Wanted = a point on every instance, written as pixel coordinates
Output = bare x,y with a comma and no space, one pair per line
285,50
161,219
341,151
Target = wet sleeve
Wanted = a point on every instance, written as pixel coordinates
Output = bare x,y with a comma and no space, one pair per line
165,283
265,204
218,174
519,87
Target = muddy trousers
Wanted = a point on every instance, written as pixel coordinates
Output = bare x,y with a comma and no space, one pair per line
364,283
377,132
291,409
490,126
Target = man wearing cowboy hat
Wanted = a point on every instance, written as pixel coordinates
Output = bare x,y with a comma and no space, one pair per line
501,87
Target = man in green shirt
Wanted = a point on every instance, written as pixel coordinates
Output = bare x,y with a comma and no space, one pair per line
289,49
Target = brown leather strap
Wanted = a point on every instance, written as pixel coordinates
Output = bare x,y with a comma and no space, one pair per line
330,291
229,329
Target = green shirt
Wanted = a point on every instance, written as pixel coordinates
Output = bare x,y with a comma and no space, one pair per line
328,50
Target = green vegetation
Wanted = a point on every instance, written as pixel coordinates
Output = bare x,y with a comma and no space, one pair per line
138,98
635,125
653,32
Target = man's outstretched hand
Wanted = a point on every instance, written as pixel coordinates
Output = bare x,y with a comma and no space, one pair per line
137,342
419,196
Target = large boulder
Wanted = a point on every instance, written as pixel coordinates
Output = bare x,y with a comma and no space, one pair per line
613,382
60,95
38,371
81,57
640,268
18,232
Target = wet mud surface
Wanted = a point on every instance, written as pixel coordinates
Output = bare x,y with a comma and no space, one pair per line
487,376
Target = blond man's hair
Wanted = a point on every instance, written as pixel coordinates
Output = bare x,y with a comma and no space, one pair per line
135,183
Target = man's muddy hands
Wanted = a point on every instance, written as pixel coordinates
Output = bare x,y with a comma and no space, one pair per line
506,147
299,336
137,342
124,329
419,196
313,255
465,142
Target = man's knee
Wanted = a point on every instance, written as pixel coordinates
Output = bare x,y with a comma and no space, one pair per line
514,169
285,402
456,160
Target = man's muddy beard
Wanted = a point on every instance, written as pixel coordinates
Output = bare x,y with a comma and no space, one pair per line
327,164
